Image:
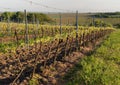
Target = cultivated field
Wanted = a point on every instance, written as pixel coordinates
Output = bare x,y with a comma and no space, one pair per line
68,52
43,55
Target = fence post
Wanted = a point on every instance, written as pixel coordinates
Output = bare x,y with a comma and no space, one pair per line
37,27
26,28
60,24
101,20
8,25
68,22
0,19
77,31
93,21
55,22
34,28
33,20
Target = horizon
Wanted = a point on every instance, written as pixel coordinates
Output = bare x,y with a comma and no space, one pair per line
61,12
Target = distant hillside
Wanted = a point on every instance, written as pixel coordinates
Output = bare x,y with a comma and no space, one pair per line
107,15
86,18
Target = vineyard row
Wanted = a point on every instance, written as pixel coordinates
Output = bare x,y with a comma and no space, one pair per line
25,62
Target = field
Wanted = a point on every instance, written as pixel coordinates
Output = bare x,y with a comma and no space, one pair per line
60,42
37,54
84,18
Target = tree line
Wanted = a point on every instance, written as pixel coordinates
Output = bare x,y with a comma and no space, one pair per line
20,17
107,15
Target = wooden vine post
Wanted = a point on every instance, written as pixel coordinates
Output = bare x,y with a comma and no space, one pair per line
33,20
34,28
16,38
77,31
8,25
60,24
93,21
101,21
26,29
37,28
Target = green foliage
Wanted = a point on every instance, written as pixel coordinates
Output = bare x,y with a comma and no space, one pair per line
17,17
33,82
35,79
110,49
38,16
6,15
101,68
117,25
5,47
107,15
32,17
95,71
99,23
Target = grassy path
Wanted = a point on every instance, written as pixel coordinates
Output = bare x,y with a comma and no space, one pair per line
101,68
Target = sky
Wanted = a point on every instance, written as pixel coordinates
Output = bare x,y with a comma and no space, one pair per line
61,5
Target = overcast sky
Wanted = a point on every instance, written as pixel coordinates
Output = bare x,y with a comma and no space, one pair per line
61,5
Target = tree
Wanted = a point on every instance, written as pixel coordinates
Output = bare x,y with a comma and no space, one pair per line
99,23
17,17
6,16
31,17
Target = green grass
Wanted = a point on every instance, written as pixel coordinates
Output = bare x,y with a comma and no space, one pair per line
101,68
